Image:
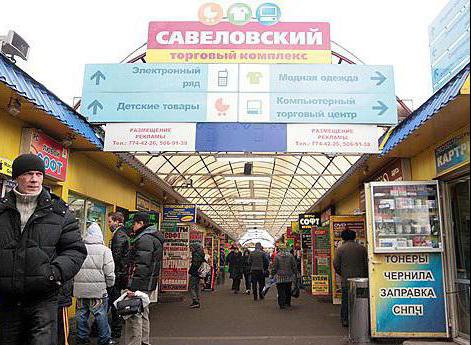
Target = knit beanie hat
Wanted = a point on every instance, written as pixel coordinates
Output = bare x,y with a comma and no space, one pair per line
25,163
141,217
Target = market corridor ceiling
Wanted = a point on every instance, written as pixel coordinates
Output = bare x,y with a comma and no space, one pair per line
280,185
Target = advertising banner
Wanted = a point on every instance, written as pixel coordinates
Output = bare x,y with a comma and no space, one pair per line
54,155
337,225
306,223
407,296
180,213
121,137
332,138
176,258
453,154
320,285
321,261
239,137
197,236
194,42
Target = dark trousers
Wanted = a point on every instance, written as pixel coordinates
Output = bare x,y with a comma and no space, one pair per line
258,283
236,283
284,294
116,320
344,306
247,280
29,323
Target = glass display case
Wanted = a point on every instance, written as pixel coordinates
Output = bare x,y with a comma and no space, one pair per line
406,217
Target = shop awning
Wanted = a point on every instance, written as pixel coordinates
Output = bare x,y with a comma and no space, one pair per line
426,111
43,99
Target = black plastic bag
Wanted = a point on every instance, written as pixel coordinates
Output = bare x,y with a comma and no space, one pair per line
295,290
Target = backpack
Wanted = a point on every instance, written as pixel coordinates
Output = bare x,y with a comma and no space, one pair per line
204,270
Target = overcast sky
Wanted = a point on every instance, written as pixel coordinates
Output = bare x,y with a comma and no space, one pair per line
66,35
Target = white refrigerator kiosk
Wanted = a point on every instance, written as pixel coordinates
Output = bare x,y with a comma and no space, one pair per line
405,255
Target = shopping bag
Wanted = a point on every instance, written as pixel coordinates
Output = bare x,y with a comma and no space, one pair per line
204,270
267,286
295,290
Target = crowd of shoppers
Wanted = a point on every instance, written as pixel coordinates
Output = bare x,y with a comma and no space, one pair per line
45,258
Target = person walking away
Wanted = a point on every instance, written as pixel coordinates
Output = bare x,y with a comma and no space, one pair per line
144,261
350,261
90,288
119,249
236,270
64,301
229,259
246,270
197,258
258,266
284,271
40,249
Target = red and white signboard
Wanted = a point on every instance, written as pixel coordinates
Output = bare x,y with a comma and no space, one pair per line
54,155
194,42
174,274
153,137
333,138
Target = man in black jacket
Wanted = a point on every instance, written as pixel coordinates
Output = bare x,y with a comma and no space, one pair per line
144,261
40,249
197,259
119,248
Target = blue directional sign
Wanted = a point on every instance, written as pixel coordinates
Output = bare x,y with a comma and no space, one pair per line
449,36
249,93
347,79
133,78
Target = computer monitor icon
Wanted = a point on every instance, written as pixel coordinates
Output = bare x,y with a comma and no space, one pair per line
254,107
268,14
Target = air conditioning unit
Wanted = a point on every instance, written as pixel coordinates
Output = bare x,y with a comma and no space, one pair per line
14,45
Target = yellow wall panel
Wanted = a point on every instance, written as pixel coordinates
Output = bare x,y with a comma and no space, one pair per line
10,136
348,205
87,177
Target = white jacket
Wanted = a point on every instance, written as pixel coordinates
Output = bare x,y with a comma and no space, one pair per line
97,272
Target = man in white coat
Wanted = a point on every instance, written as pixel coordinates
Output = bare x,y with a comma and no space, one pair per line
90,284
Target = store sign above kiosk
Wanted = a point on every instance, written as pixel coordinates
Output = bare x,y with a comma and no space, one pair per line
194,42
54,155
453,154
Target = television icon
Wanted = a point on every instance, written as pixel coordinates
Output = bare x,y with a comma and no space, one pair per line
268,14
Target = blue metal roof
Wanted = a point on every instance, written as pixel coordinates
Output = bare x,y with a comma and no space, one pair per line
41,97
426,111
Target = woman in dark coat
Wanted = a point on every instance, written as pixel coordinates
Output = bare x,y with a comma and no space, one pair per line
285,272
246,270
235,269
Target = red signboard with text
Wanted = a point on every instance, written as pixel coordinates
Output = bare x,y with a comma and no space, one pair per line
54,155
